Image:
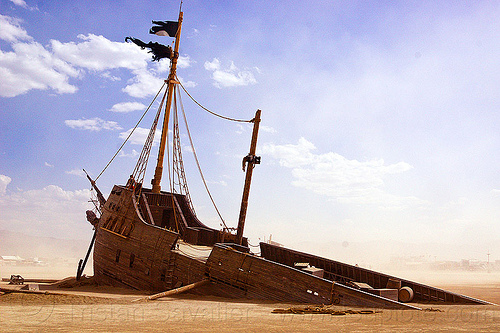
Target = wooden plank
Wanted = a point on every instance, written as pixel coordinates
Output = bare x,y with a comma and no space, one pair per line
175,291
261,278
378,280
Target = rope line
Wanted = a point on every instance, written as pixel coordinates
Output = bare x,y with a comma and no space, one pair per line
211,112
128,137
190,140
171,169
198,163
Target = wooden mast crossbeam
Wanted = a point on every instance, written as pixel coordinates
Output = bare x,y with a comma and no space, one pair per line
250,160
171,83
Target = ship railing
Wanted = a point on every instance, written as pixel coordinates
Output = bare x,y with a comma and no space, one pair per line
144,209
158,199
181,221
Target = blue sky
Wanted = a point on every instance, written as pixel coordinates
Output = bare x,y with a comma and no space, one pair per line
379,118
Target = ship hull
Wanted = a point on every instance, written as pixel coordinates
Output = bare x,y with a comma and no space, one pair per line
132,252
154,242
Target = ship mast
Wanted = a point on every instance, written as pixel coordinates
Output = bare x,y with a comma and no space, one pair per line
171,82
250,160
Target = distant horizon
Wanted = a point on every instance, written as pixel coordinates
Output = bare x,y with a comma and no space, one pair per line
366,253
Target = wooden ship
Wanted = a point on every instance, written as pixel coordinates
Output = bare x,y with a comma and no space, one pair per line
151,240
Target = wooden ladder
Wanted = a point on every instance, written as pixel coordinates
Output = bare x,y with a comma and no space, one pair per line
169,275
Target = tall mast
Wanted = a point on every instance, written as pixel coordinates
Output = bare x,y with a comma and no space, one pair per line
251,160
171,83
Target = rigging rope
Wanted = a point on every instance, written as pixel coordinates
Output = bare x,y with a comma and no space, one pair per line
142,163
175,136
211,112
135,127
178,164
190,140
198,163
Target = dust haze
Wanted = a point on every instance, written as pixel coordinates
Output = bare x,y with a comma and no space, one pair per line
40,257
434,264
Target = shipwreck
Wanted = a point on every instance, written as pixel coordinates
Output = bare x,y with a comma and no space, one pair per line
149,239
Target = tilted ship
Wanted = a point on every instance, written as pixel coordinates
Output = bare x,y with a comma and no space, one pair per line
151,240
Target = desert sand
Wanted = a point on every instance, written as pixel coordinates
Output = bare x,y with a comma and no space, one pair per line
106,309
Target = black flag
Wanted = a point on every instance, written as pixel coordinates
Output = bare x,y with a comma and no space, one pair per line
159,51
165,28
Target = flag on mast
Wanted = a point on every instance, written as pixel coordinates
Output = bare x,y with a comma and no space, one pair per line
164,28
159,51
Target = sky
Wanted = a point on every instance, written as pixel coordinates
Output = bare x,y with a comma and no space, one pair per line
379,118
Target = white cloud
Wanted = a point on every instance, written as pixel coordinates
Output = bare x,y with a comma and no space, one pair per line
76,172
241,129
495,192
4,181
187,84
212,66
194,32
11,31
47,164
31,66
184,61
133,154
50,211
93,124
99,53
107,75
144,84
163,66
20,3
140,135
220,182
147,81
23,4
231,77
291,155
268,129
127,107
335,176
187,149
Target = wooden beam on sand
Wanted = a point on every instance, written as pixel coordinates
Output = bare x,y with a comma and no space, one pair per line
34,280
173,291
27,291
